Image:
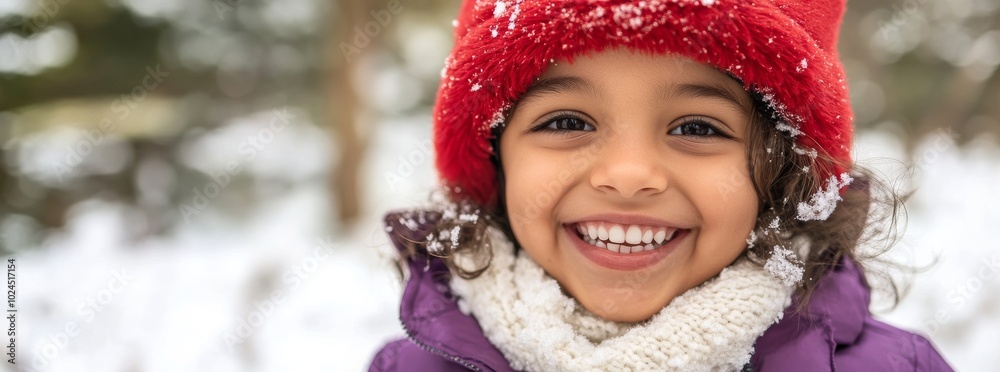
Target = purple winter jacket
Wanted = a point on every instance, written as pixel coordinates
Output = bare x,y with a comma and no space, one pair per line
836,333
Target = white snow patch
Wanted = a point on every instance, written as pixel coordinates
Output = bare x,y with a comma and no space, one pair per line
513,15
628,15
635,22
784,127
409,223
778,107
780,266
469,217
707,2
433,245
812,153
824,202
449,213
802,65
499,8
475,87
455,234
752,239
598,12
498,117
493,31
444,69
775,224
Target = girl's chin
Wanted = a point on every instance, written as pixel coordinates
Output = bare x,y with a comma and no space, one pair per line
627,297
628,315
620,307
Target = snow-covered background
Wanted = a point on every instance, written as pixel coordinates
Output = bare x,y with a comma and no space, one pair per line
279,291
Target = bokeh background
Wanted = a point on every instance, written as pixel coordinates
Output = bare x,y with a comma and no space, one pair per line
199,185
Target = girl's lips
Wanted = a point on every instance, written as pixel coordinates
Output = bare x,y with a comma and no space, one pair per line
622,261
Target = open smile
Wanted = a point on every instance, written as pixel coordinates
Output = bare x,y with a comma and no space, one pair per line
625,238
624,247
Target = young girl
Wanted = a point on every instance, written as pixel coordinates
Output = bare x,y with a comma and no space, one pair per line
645,185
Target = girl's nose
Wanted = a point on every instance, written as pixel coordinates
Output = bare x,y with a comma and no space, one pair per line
630,168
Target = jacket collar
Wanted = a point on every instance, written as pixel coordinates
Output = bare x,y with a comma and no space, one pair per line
431,318
843,297
834,317
428,311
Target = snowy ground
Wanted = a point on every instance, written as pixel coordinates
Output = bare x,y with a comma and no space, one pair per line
284,292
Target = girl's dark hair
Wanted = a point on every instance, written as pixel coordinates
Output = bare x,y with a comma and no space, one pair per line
862,227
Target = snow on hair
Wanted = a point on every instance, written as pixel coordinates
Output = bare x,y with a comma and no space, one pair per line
824,202
782,266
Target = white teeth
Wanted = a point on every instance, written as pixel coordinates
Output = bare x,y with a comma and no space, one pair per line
660,234
633,235
616,234
625,238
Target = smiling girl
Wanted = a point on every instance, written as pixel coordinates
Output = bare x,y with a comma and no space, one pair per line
645,185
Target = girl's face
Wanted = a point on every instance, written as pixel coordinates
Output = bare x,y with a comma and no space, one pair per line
626,178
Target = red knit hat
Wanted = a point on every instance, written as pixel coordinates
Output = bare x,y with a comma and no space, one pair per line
785,50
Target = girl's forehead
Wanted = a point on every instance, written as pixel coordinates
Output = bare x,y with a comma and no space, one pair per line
621,66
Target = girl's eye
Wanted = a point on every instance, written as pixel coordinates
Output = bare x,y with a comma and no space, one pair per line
697,127
565,124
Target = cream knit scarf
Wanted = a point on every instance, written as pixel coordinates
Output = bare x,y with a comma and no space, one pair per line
711,327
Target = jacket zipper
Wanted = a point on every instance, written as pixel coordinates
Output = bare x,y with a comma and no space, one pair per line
438,352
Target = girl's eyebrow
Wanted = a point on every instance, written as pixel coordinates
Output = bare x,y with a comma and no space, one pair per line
567,84
716,91
561,84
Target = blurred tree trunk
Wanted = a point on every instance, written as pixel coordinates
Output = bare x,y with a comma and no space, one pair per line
345,108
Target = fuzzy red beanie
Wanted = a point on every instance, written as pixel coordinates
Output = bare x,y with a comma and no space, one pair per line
784,50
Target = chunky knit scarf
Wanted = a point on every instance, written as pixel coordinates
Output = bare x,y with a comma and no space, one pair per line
711,327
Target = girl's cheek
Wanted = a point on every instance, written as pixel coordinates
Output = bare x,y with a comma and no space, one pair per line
734,184
738,208
579,162
529,189
724,195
